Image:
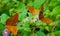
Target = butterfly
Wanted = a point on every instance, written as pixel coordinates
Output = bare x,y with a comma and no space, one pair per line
11,24
41,16
32,10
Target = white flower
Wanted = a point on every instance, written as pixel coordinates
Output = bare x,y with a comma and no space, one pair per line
27,19
35,20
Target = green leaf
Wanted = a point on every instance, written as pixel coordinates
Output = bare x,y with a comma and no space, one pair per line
57,33
30,3
23,1
39,33
37,4
58,25
4,17
58,0
5,1
26,24
20,7
47,28
38,23
22,16
58,17
1,34
26,33
30,16
56,10
2,27
47,13
33,34
0,19
14,0
53,3
51,34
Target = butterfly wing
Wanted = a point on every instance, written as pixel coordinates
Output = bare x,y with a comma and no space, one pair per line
12,29
14,19
32,10
41,12
11,24
46,20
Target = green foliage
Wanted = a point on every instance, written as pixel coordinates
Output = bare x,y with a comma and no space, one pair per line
38,3
40,33
57,33
56,10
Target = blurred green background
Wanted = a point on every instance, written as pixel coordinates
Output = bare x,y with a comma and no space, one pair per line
51,10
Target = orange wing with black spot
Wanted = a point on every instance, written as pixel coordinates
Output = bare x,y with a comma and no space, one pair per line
32,10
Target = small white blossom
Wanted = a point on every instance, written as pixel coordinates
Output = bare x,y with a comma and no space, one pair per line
27,19
35,20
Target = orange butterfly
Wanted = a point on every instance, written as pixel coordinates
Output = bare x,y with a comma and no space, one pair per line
32,10
41,16
11,24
